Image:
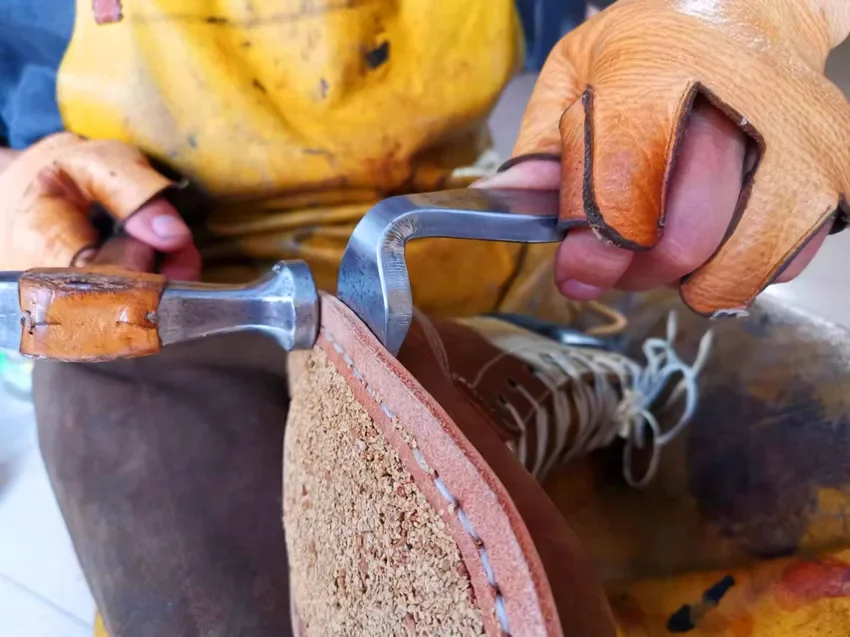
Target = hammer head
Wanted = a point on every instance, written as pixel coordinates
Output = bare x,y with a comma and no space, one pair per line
373,278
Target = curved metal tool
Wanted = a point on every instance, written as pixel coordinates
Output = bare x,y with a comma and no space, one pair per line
373,277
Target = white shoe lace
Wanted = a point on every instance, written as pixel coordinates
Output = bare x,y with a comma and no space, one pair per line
619,402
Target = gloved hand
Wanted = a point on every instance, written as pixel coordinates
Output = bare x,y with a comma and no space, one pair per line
47,190
697,140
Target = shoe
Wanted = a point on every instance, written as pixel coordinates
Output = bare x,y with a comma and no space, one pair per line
411,504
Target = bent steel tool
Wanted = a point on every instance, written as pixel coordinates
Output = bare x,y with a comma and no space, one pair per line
96,315
373,279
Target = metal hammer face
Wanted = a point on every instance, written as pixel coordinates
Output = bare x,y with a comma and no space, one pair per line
373,277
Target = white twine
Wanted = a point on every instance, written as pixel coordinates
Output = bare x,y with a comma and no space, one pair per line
619,402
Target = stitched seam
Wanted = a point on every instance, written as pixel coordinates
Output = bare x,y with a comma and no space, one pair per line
442,489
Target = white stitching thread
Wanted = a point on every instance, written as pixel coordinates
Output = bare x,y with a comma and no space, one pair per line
442,489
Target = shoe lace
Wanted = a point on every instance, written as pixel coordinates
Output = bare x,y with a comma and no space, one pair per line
620,401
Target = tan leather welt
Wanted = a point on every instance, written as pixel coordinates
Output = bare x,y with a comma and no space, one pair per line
562,570
89,315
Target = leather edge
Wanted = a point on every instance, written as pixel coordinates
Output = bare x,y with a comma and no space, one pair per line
390,394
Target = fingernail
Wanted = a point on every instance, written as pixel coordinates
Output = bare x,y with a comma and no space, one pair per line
580,291
168,227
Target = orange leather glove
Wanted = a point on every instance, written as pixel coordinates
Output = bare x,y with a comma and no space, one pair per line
47,190
614,99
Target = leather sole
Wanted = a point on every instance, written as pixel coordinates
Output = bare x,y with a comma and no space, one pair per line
522,570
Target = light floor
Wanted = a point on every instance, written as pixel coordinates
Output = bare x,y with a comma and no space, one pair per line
42,591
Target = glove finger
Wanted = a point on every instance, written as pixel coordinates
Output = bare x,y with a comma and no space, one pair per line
114,174
779,218
619,144
556,89
702,195
800,262
49,226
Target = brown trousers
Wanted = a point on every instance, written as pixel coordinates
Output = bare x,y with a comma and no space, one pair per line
168,473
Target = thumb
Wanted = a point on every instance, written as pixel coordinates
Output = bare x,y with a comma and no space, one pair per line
158,224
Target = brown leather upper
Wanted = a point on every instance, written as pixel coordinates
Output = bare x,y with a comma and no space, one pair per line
482,372
613,100
48,189
547,584
435,354
504,388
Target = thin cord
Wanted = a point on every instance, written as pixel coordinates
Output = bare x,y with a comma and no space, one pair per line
663,364
618,402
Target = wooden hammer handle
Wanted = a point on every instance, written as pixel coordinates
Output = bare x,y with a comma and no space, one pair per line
89,314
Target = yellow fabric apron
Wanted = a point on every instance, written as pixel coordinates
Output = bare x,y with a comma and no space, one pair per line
298,115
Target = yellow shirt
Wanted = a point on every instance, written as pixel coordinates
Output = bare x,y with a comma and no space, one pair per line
298,115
